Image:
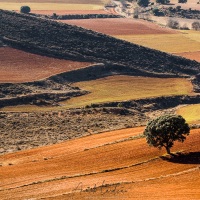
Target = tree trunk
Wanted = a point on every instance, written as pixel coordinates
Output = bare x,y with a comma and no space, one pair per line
168,150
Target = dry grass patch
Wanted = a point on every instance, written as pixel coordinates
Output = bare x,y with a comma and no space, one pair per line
120,88
190,113
171,43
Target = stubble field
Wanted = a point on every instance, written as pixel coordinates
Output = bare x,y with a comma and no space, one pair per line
121,88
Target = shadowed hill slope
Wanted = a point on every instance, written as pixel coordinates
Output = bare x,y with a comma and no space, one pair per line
75,43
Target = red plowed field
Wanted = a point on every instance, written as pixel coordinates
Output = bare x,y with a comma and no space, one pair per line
120,26
65,170
19,66
191,55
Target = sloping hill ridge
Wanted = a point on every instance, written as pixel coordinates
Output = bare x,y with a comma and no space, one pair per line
70,42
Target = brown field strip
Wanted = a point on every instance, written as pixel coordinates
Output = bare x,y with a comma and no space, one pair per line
120,26
19,66
58,169
191,55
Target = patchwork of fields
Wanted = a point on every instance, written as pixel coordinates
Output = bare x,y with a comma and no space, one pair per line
131,84
183,43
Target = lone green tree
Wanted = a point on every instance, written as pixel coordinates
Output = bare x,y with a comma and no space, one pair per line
164,130
25,9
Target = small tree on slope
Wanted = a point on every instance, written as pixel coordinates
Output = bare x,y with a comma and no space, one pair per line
164,130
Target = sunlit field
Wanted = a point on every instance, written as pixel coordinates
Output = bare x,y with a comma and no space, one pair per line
117,88
190,113
171,43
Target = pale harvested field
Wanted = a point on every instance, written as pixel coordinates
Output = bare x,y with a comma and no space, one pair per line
190,113
50,6
171,43
69,12
121,88
121,26
19,66
191,55
61,171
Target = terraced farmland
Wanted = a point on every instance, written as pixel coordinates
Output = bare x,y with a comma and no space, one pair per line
98,162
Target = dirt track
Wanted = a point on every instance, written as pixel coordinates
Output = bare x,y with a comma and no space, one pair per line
108,158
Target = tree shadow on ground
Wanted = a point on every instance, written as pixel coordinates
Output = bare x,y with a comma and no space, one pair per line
183,158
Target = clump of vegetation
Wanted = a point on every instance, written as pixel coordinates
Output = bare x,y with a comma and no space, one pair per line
164,130
196,25
25,9
143,3
173,24
182,1
157,12
163,1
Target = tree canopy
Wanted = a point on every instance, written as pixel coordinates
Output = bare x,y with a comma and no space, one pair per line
143,3
164,130
25,9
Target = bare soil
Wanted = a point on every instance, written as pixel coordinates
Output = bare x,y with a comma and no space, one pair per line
120,26
191,55
100,161
19,66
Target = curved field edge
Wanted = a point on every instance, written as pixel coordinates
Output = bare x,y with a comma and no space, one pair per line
126,161
190,113
59,86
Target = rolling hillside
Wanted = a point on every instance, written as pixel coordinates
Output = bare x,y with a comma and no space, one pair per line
92,166
65,41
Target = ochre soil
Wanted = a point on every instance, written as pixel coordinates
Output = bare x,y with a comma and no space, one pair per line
18,66
122,26
191,55
64,170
